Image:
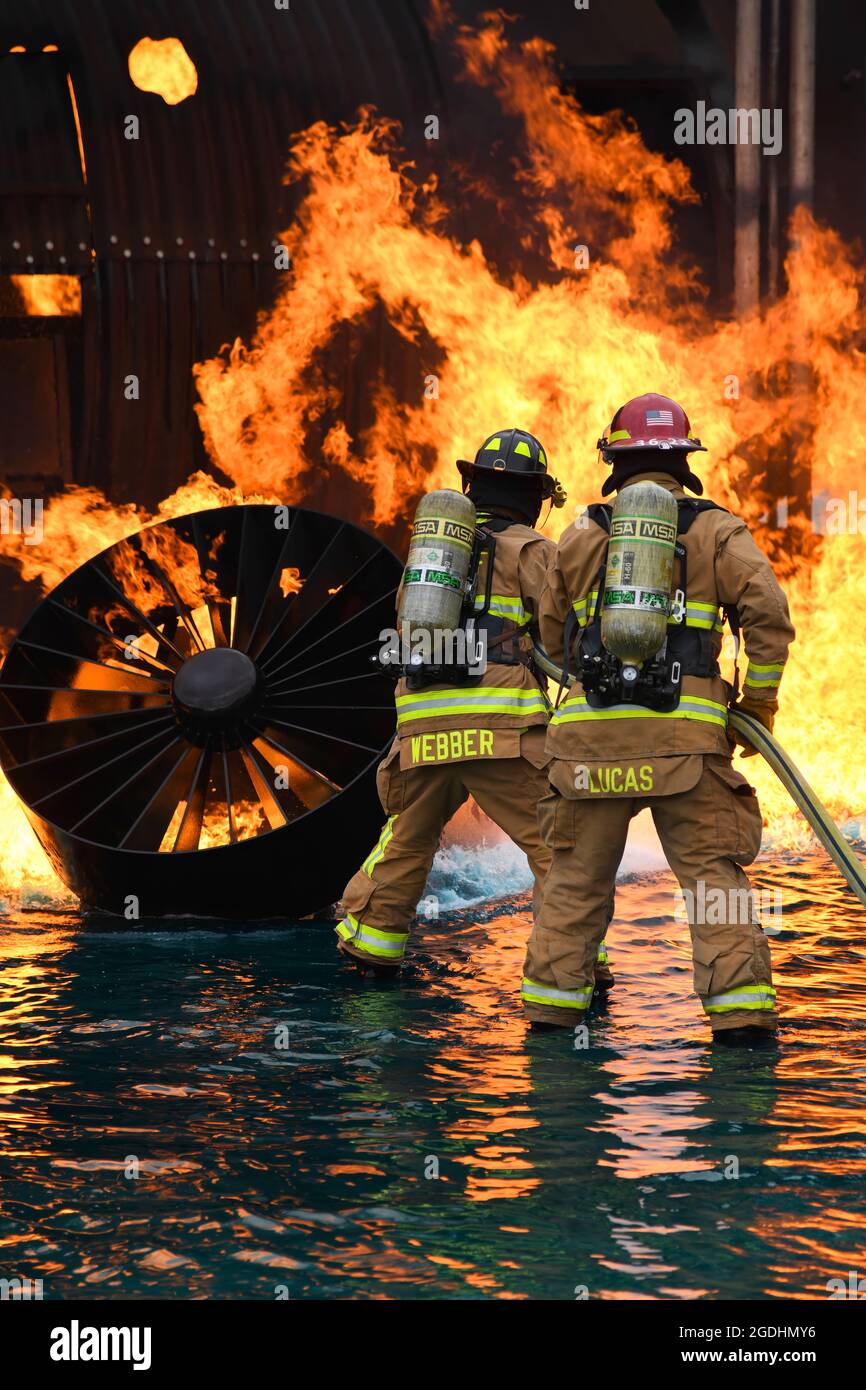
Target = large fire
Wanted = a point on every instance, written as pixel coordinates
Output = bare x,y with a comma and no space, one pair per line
614,312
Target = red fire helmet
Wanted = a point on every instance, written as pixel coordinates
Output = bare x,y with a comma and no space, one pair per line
649,422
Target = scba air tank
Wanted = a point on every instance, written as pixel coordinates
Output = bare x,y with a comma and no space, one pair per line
640,563
440,554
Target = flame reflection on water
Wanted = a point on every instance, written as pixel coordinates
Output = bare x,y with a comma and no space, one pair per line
154,1138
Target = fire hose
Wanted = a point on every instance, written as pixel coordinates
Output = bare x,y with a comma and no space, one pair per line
804,798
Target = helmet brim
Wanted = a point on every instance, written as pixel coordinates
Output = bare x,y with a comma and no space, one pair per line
690,446
546,483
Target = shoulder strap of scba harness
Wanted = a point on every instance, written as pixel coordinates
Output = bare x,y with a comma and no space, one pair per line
688,509
500,631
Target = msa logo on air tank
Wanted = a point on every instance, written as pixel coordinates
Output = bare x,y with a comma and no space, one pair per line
643,528
652,600
442,529
430,576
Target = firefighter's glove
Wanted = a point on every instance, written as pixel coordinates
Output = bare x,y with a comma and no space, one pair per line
763,711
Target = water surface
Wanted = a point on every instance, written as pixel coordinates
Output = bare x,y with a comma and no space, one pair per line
287,1119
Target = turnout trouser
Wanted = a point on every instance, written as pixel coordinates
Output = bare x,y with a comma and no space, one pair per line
380,901
707,832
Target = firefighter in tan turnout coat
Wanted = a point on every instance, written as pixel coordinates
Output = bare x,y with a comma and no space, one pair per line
611,757
484,738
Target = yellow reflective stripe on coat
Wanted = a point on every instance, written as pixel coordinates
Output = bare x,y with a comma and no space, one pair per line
689,707
505,606
745,997
390,945
764,677
704,615
533,993
377,853
585,607
486,699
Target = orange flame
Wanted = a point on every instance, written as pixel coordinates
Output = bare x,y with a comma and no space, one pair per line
163,66
45,295
556,354
290,581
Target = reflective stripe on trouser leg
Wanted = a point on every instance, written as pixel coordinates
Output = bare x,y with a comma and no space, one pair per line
602,954
383,945
752,997
533,993
377,853
380,900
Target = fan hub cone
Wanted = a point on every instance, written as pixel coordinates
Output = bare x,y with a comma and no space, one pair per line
214,690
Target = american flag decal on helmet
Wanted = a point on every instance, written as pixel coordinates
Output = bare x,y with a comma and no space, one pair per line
659,417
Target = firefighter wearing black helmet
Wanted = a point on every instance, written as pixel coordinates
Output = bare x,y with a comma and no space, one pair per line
483,739
518,464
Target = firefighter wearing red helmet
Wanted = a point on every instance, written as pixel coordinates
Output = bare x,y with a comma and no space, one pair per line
651,730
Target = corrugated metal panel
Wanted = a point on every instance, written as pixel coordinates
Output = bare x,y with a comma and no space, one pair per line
182,220
43,198
204,179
